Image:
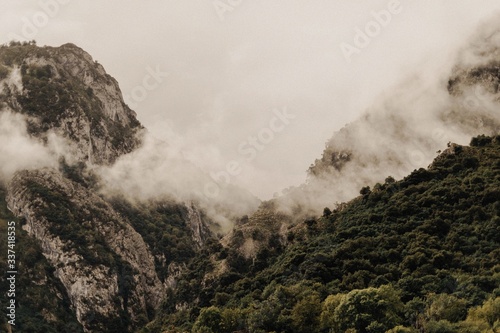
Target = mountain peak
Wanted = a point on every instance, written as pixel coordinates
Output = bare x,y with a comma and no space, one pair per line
62,89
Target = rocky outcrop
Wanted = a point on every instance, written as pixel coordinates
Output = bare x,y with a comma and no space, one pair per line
200,230
104,264
63,90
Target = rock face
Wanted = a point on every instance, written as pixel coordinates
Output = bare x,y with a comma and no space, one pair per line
114,264
104,264
199,228
63,90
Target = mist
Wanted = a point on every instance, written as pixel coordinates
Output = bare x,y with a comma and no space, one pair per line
220,83
20,151
406,127
157,172
225,73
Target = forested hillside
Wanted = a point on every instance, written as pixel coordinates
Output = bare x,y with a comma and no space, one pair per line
415,255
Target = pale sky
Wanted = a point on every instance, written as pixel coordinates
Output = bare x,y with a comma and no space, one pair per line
232,64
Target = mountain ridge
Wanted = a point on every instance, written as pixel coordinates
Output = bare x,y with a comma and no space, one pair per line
122,264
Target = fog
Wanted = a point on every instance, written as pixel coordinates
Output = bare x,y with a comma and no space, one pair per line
225,69
156,171
407,127
20,151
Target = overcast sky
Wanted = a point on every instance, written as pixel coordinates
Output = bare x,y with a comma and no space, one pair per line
232,64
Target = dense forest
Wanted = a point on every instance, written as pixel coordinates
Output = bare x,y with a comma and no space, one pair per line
415,255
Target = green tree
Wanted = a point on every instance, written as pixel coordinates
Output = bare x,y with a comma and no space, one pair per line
401,329
306,314
208,321
368,310
328,310
446,307
485,318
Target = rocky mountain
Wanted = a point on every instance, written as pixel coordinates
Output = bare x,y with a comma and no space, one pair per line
403,131
405,128
110,259
104,264
64,90
417,254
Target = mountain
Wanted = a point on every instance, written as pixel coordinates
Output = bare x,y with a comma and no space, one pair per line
64,91
116,234
94,262
405,127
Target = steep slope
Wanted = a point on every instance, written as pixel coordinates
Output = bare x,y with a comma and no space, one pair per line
103,263
417,244
401,132
413,248
110,258
43,304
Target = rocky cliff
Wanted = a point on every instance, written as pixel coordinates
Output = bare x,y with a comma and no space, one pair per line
101,260
115,258
62,89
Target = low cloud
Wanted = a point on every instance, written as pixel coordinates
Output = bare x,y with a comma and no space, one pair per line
20,151
406,127
156,171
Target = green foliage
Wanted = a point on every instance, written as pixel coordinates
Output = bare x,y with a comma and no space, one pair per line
78,173
368,310
401,329
51,94
162,226
306,314
446,307
209,321
480,141
485,318
441,326
411,255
